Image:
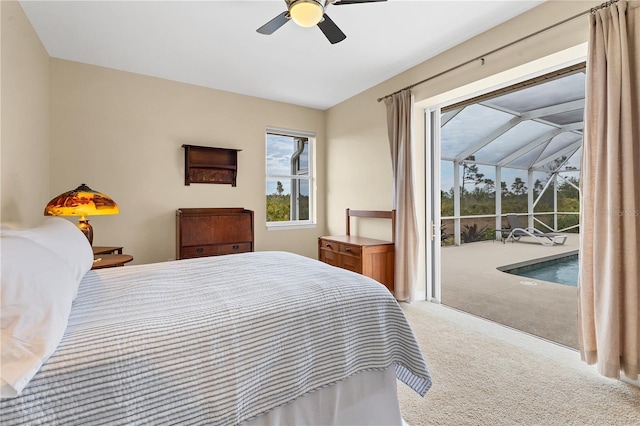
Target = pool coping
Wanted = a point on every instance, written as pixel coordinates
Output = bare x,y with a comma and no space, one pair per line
530,262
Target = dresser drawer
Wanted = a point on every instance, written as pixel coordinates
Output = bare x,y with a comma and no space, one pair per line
213,231
351,249
234,248
198,251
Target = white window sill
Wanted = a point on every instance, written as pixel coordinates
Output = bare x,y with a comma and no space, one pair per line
288,226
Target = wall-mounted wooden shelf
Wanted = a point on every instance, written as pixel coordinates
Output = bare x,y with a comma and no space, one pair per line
205,164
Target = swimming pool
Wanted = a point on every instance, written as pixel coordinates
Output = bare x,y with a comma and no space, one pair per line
563,270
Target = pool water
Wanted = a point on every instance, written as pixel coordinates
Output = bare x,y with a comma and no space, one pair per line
561,271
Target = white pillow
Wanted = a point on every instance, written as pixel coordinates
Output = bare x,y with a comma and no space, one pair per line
64,239
37,291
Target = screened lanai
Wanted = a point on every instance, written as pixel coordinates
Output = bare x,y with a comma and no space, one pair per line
513,151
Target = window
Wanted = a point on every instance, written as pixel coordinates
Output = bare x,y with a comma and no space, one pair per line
289,178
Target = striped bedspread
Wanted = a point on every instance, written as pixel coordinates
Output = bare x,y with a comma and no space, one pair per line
215,340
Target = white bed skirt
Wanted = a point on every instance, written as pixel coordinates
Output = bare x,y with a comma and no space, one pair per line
367,398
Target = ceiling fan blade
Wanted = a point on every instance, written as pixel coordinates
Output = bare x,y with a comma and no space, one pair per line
331,30
271,26
339,2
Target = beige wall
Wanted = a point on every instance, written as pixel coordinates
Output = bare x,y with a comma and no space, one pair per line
122,134
358,159
24,117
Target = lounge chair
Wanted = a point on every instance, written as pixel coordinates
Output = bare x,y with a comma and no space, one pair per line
544,238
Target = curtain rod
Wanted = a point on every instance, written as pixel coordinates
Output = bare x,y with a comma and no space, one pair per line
481,57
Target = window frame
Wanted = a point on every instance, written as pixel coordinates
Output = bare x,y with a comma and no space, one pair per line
310,178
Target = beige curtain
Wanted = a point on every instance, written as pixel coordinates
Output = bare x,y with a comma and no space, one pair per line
399,123
609,291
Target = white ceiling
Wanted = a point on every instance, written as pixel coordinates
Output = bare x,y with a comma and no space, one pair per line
215,44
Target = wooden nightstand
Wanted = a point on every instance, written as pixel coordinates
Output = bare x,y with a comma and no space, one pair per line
110,260
366,256
106,250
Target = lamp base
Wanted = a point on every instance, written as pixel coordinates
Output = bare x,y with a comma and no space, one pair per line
87,229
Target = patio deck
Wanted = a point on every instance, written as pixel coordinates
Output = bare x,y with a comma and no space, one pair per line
472,283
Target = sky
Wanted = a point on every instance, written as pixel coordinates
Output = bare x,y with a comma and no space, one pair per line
279,152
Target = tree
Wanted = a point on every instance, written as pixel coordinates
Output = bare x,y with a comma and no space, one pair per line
537,187
470,174
518,187
489,185
280,188
504,190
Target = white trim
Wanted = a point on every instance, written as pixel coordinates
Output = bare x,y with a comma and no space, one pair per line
290,132
289,225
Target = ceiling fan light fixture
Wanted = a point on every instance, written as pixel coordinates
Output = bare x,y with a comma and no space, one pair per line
306,13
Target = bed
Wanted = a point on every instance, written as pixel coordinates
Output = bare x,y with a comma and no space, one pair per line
254,338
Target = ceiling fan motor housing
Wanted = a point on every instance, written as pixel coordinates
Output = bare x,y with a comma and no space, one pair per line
306,13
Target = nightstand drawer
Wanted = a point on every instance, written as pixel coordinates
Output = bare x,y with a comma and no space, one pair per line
351,249
330,257
351,263
329,245
234,248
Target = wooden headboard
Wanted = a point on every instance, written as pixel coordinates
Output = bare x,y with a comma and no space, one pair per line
381,214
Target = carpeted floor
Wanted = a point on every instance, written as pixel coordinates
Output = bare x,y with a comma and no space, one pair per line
487,374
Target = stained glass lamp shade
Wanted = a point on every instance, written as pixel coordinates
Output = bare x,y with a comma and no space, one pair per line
82,201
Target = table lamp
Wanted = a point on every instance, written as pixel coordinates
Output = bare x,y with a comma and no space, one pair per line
82,201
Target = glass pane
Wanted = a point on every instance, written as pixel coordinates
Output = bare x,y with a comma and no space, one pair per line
469,127
547,219
545,204
477,229
557,144
526,160
303,199
539,181
512,140
514,191
303,161
574,161
567,220
568,196
565,89
446,232
284,157
564,118
278,200
446,188
287,199
477,192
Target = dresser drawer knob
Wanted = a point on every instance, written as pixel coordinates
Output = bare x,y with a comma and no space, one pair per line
199,250
347,249
236,247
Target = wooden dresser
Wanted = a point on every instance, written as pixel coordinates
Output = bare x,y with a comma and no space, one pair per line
367,256
213,232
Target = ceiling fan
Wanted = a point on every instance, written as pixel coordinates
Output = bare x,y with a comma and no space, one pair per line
308,13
